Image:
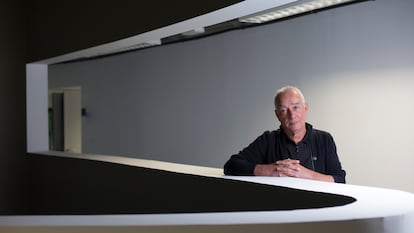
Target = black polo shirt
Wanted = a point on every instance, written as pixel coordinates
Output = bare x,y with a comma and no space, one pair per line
301,151
317,151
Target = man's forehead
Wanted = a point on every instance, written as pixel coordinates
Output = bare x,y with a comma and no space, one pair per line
298,102
290,98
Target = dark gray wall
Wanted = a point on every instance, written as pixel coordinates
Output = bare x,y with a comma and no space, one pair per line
57,28
14,180
39,29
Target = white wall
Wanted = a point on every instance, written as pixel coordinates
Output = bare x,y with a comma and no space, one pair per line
200,101
72,121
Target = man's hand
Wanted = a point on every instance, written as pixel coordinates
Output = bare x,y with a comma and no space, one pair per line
286,167
291,168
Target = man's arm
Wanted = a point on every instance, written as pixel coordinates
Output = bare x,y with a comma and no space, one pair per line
293,168
238,166
244,163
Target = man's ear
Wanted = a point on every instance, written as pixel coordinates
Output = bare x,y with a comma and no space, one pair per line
277,116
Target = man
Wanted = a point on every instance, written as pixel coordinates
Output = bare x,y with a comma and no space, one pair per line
294,150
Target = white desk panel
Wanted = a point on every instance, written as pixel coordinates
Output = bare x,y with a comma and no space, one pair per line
376,210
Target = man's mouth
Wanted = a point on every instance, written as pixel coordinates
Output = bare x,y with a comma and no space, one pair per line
291,123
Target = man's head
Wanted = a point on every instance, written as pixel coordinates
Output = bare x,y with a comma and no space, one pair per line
291,109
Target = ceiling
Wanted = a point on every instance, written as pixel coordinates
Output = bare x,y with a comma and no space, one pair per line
223,19
213,22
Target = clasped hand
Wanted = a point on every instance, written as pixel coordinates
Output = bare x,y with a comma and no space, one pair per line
286,167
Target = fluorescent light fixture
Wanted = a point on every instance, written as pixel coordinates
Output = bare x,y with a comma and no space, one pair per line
194,32
295,8
139,46
127,48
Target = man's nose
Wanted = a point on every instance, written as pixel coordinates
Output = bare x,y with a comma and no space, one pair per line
290,113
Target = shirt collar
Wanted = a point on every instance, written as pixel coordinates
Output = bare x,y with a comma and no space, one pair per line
306,138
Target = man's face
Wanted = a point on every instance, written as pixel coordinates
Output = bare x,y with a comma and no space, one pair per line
291,112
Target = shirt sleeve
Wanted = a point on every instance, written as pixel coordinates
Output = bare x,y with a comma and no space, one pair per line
334,167
243,163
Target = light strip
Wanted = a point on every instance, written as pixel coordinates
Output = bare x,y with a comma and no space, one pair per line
194,32
138,46
295,8
129,48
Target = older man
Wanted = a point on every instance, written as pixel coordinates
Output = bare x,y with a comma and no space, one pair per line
296,149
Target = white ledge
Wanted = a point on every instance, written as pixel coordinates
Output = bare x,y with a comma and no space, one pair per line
392,210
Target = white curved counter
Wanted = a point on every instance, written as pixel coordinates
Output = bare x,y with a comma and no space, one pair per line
375,210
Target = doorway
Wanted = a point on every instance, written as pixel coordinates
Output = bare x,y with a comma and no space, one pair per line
65,120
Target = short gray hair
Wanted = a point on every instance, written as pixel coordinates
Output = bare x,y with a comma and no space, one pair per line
286,89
